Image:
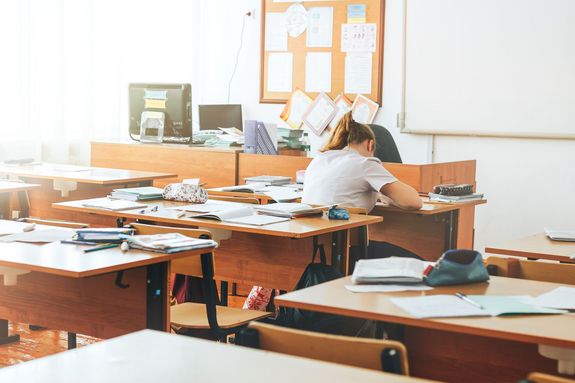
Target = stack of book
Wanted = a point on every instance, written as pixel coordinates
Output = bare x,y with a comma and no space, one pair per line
169,243
103,235
455,198
389,270
137,194
269,180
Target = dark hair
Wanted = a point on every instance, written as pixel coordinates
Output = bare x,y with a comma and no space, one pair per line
348,132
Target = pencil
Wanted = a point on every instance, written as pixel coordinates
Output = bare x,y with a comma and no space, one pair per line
108,246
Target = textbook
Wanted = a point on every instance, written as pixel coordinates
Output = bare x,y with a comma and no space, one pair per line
137,194
269,180
455,198
109,235
290,210
560,235
389,270
169,243
241,215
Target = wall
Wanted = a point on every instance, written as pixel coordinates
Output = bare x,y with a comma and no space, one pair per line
528,183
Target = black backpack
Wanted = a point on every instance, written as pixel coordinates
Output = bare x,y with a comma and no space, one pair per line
316,273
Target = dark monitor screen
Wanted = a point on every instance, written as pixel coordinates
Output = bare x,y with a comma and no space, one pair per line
173,100
220,116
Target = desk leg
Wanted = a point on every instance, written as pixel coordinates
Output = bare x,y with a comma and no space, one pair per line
4,337
24,204
157,300
451,232
339,250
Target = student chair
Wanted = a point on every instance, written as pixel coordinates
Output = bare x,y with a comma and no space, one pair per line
381,355
538,270
385,148
200,318
538,377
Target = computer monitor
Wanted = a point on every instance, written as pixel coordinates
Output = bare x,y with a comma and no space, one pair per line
220,116
173,102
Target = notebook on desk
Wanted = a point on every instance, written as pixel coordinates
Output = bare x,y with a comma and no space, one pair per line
242,215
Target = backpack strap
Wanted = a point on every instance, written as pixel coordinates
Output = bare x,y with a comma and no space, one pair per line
318,248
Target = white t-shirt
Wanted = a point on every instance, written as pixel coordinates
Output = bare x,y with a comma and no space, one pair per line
344,177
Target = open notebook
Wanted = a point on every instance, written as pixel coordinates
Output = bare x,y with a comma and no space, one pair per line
446,306
290,210
242,215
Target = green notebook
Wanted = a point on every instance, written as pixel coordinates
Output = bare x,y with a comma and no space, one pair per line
497,305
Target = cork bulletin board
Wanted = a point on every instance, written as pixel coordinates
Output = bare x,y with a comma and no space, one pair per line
297,47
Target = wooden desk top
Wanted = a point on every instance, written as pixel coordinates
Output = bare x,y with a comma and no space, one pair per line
83,174
295,228
334,298
9,187
536,246
70,260
150,356
174,146
429,208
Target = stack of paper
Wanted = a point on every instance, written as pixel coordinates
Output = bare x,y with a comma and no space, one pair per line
169,243
268,180
137,194
560,235
251,188
389,270
455,198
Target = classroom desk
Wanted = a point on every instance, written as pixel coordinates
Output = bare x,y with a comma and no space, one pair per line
500,349
9,188
427,232
536,246
150,357
60,182
79,292
272,255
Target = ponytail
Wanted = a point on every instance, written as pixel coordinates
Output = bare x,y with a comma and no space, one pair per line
348,132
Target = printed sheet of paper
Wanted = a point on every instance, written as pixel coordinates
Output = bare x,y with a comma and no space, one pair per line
280,69
358,37
294,109
357,73
318,72
276,32
356,13
320,27
320,113
343,106
296,20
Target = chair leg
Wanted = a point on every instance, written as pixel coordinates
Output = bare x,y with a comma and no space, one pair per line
5,338
71,340
224,293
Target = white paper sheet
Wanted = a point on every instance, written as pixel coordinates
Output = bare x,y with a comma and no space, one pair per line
320,27
282,194
438,306
559,298
280,69
358,73
386,288
39,236
318,72
358,37
276,32
342,109
296,20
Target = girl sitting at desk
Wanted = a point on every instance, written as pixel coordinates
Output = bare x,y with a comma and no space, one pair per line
347,173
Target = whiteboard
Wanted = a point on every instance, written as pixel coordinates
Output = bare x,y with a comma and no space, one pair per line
490,67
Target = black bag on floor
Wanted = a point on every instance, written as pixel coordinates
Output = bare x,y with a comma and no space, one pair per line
316,273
